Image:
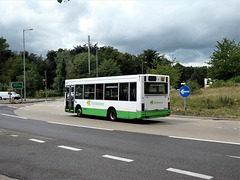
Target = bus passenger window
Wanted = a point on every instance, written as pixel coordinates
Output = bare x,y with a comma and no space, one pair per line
133,91
123,96
99,91
89,91
79,92
111,91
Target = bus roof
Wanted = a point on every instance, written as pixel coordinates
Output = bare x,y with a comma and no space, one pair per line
110,79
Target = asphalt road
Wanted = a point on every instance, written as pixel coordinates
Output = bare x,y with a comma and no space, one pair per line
32,149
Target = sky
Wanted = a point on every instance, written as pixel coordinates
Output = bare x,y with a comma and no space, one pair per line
185,30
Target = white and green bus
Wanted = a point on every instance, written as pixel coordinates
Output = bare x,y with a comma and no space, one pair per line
128,97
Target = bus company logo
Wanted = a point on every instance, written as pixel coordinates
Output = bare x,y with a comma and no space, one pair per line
155,102
88,102
91,103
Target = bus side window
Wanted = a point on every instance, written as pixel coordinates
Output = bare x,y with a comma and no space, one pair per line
123,96
79,92
133,91
89,90
99,91
111,91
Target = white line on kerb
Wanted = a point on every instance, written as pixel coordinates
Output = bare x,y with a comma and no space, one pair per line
37,140
117,158
190,173
13,116
90,127
69,148
205,140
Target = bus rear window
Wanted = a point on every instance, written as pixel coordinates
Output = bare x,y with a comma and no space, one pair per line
155,88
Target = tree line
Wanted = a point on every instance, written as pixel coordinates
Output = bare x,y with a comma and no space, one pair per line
73,63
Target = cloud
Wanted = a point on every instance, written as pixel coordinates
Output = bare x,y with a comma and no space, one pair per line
189,28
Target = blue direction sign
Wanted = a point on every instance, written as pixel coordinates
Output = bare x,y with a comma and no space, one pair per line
185,91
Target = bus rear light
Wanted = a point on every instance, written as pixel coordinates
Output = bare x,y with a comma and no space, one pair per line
168,105
166,79
143,107
145,78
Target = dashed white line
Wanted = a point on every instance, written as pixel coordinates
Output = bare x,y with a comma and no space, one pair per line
117,158
37,140
9,115
193,174
90,127
205,140
69,148
237,157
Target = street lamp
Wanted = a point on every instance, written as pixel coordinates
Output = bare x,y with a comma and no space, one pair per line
24,62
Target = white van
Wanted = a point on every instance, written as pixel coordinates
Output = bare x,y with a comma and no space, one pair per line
5,95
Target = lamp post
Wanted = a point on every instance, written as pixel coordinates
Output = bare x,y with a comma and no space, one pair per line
24,73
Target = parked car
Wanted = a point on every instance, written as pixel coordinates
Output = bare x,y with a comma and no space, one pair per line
5,95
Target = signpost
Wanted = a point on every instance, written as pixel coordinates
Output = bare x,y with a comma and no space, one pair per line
185,92
15,85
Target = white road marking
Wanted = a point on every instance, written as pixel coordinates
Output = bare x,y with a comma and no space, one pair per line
205,140
69,148
9,115
90,127
202,176
237,157
14,135
37,140
117,158
13,107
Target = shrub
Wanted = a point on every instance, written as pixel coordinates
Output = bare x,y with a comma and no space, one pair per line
42,93
194,87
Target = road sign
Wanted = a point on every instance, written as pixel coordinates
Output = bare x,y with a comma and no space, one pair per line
15,85
184,91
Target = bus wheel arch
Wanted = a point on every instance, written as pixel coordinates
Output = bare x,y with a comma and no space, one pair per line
112,114
78,110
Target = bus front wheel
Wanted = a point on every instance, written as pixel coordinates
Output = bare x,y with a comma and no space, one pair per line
112,114
79,111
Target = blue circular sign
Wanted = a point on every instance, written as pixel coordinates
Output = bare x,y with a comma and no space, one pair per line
185,91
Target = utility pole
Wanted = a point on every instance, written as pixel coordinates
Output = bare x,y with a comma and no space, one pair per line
97,62
46,84
88,54
24,71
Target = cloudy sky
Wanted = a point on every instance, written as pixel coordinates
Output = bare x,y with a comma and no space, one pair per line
187,30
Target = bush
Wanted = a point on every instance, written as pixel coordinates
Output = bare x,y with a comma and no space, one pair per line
235,81
194,87
50,93
3,87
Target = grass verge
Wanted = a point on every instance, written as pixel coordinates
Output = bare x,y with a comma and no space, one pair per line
221,102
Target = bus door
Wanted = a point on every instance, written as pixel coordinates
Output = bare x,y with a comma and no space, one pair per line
69,96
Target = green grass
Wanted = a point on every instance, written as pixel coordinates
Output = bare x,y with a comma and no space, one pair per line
221,102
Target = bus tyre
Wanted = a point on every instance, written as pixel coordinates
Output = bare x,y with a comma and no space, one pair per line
112,114
79,111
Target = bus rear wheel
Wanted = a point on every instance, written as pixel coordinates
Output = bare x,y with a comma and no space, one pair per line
112,114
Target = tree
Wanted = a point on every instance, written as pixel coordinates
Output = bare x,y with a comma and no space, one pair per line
80,66
3,44
109,68
50,66
225,61
61,73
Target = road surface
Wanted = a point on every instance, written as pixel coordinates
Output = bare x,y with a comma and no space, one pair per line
62,146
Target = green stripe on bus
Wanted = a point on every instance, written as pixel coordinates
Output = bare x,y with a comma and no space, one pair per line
127,114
